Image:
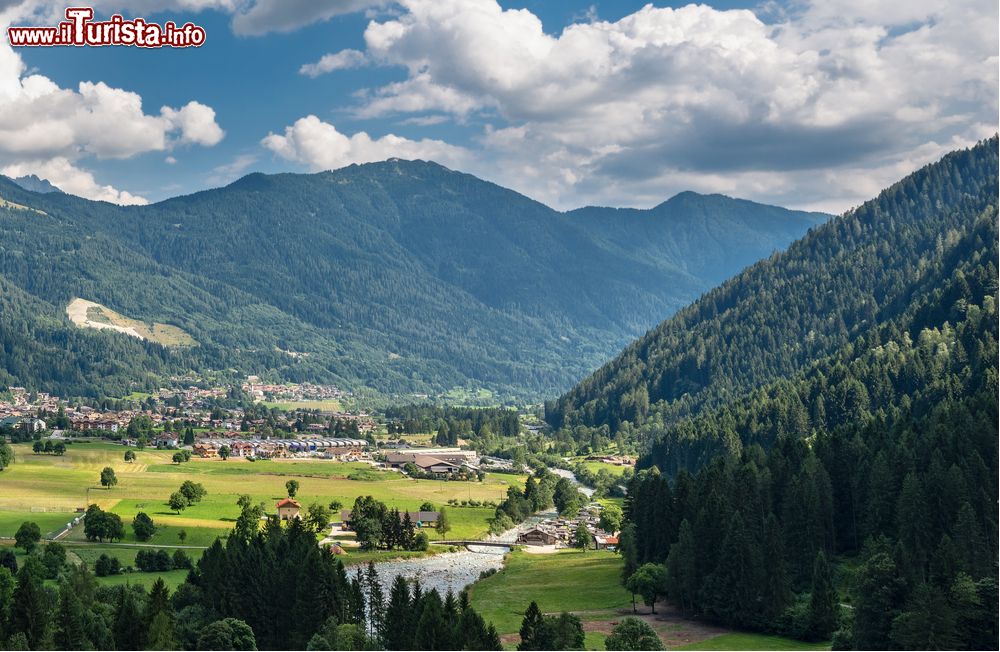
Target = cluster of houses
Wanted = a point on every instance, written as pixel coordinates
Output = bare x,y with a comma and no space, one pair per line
337,448
291,392
617,460
289,508
559,531
435,461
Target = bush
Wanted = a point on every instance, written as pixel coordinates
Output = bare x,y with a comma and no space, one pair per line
53,558
181,560
106,565
420,541
8,560
143,526
150,561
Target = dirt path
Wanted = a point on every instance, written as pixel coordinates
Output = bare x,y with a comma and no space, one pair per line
673,628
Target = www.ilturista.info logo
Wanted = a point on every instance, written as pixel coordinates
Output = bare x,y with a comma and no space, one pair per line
80,29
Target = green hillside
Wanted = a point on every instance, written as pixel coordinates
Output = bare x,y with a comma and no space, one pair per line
783,314
400,276
821,431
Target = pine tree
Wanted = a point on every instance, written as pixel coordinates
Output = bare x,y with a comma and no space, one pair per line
30,606
376,605
70,631
823,601
399,629
682,574
129,629
877,601
161,633
432,628
532,629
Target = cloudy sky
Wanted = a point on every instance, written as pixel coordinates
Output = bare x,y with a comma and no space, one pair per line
805,103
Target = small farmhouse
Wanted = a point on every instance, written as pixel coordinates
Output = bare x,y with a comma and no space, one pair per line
288,509
537,537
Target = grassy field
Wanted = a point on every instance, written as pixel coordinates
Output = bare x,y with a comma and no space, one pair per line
48,522
172,579
588,585
613,469
565,581
61,484
742,641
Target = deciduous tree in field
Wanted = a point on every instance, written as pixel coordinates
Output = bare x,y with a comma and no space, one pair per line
292,487
444,523
317,516
6,455
27,536
611,518
129,456
648,582
108,477
177,502
193,491
633,634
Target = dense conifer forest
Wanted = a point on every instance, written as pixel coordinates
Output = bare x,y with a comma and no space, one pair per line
270,589
822,430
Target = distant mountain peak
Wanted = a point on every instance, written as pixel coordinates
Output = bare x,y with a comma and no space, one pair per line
35,184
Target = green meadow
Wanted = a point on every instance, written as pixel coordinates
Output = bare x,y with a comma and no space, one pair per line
48,489
568,580
588,584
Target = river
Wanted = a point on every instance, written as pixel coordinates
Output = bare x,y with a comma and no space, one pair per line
453,571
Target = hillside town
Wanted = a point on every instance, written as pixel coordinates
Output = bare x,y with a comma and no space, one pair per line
212,410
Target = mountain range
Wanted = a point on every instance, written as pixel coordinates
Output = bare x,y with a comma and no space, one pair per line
399,276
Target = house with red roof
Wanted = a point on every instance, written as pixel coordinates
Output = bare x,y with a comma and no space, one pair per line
288,509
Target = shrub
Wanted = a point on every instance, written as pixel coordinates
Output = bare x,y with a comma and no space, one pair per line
106,565
182,561
143,526
420,541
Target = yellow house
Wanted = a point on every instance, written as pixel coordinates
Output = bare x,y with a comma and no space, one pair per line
288,509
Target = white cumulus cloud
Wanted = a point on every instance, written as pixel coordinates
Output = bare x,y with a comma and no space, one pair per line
319,146
336,61
797,110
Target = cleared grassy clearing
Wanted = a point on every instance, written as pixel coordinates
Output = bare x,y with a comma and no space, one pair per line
172,579
565,581
613,469
327,405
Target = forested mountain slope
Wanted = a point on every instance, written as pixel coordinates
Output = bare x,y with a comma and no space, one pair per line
401,276
883,453
785,313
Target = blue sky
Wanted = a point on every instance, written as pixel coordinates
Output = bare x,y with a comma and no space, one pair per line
573,103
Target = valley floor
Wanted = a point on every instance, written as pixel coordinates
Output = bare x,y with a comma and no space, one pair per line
48,490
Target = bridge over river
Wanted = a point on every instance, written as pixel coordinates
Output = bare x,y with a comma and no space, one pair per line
470,542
